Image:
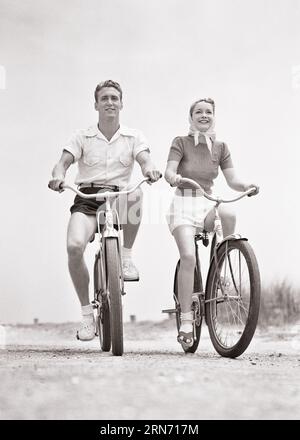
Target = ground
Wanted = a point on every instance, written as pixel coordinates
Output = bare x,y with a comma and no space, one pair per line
47,374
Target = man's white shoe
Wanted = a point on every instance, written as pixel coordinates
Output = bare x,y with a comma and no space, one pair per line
87,329
130,272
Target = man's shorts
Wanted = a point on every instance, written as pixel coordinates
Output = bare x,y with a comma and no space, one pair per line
89,206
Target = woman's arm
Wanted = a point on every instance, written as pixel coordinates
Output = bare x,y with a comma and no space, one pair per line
171,175
237,184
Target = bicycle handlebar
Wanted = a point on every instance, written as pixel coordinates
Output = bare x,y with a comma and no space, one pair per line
216,199
104,194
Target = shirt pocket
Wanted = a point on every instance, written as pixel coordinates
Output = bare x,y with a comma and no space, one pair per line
92,155
126,159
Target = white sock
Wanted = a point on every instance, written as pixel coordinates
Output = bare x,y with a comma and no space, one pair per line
186,322
126,253
87,312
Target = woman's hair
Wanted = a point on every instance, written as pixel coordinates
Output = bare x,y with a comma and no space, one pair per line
108,83
208,100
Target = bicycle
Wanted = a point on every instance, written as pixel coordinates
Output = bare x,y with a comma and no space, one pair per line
108,275
231,299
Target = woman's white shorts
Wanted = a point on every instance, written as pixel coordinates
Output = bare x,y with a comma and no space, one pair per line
188,210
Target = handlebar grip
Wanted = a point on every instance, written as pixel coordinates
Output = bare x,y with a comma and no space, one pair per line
60,187
150,180
253,192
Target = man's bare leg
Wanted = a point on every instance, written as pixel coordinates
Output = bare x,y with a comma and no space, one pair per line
81,228
130,209
134,217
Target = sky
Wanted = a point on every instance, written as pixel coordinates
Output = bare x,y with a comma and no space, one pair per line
165,54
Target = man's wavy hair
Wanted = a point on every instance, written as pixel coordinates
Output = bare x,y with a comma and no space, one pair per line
108,83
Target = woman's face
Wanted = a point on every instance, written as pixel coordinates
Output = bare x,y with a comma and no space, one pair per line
203,116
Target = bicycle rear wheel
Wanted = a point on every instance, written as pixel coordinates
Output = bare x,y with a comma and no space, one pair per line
114,288
198,316
103,323
232,298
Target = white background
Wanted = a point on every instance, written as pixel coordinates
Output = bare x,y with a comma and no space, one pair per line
165,54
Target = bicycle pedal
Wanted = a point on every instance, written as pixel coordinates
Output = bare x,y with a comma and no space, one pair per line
169,311
123,293
95,304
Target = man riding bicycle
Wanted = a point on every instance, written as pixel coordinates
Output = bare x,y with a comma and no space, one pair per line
105,154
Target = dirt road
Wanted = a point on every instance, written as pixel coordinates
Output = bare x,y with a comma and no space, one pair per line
47,374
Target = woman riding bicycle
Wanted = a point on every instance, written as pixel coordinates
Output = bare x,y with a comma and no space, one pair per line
197,156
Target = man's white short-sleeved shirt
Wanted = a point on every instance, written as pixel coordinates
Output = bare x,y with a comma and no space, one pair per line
102,161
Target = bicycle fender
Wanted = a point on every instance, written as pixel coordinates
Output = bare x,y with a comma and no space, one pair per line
232,237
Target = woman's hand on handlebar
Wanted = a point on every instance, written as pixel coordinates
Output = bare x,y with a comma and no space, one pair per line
255,189
175,180
56,184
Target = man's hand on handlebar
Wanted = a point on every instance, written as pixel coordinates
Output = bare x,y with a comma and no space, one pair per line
56,184
154,175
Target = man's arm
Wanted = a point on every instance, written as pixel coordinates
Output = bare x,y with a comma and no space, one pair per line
147,166
59,171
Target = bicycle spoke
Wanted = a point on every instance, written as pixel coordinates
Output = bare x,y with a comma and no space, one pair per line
232,293
236,315
231,272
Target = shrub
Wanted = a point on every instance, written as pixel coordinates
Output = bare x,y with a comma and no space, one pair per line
280,304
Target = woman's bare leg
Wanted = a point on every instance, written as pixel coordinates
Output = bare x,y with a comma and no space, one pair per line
184,236
228,220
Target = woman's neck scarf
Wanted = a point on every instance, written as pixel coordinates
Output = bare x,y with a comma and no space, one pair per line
207,136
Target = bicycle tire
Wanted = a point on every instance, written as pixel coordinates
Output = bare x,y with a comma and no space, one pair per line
115,299
103,320
197,288
239,299
211,255
212,246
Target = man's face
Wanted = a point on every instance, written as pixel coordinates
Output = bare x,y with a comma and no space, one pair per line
108,103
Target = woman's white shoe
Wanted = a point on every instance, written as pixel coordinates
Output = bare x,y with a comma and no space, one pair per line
87,330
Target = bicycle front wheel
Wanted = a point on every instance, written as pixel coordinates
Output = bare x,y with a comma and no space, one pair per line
103,320
114,294
232,298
